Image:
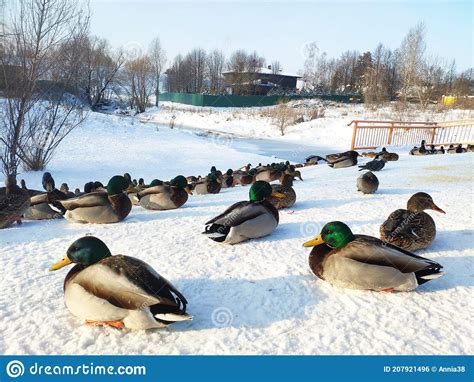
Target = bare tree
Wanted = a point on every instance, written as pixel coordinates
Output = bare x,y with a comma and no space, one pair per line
429,79
140,76
101,65
215,66
242,68
158,59
36,31
411,54
276,67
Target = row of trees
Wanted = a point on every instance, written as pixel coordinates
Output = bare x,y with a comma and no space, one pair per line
200,71
52,71
381,75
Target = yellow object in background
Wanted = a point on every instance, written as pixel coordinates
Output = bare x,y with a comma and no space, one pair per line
449,100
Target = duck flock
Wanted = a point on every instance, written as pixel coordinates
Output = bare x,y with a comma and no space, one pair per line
123,291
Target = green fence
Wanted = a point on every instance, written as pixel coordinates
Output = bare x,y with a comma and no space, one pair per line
246,101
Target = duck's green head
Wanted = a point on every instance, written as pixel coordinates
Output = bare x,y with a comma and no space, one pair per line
116,185
86,251
261,190
180,182
156,182
229,172
334,234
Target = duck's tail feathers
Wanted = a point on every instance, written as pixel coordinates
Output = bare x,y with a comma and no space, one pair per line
217,232
57,206
173,317
428,274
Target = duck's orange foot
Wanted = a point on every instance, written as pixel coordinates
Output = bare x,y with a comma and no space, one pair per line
115,324
388,290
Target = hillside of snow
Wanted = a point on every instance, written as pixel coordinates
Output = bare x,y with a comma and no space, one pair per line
258,297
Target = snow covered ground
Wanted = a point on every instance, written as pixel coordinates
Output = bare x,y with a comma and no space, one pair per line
258,297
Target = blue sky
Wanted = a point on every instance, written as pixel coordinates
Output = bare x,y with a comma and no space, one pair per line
278,30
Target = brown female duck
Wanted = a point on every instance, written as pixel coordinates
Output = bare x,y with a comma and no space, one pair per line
411,229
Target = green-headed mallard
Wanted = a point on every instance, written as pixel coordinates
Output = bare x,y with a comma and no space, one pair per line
120,291
285,189
160,196
342,160
247,219
211,184
365,262
411,229
367,183
98,207
39,201
14,202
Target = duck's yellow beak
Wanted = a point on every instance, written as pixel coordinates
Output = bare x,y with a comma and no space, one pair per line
316,241
60,264
276,194
188,190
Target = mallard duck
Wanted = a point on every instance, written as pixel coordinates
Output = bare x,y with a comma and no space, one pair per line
98,207
419,150
373,165
268,174
14,202
244,178
367,183
470,148
441,150
364,262
211,184
370,154
411,229
342,160
386,156
247,219
40,208
286,189
65,190
119,291
160,196
228,179
313,160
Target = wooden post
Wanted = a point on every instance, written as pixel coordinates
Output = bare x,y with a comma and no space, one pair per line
390,134
433,135
354,132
